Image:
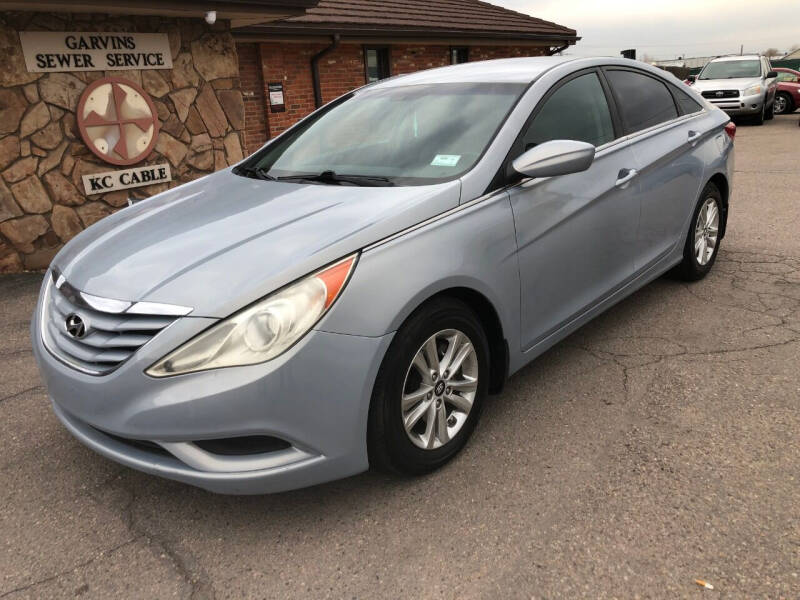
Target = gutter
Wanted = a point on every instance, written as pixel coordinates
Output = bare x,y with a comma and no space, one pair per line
554,51
315,68
285,28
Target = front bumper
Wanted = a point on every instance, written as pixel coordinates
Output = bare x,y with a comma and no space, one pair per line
741,106
315,397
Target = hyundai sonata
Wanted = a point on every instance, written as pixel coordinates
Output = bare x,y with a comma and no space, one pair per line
351,293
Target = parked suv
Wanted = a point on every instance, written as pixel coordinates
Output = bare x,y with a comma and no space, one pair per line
740,85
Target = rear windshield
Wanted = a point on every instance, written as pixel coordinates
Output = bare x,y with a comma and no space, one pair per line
407,135
731,69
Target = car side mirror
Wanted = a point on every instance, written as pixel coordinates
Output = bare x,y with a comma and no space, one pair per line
692,78
772,74
557,157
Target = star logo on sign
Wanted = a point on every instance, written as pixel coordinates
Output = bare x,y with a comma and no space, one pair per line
117,120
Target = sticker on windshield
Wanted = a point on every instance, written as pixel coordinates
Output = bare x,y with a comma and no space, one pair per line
445,160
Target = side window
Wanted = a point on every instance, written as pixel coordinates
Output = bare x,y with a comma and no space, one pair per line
787,77
642,101
577,110
686,103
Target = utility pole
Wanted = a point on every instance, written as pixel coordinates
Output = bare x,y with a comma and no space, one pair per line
741,49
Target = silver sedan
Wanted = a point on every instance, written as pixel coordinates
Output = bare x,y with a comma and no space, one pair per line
351,293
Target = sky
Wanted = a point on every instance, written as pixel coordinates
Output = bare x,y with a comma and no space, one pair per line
670,29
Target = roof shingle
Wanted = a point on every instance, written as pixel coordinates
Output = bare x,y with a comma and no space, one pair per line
445,16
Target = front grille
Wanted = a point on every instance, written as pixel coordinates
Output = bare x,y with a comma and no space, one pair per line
719,94
113,330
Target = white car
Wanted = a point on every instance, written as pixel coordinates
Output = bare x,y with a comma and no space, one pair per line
742,86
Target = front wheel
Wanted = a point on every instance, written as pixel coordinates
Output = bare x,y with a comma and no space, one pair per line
783,104
702,241
770,114
429,390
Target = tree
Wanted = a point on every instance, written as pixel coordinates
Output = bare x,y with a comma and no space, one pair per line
795,47
770,52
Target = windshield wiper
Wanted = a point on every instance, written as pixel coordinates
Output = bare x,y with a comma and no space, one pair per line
255,173
331,177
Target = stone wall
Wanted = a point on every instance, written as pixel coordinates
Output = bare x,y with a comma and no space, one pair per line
42,156
340,71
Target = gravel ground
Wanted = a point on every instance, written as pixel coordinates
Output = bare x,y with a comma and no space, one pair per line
656,446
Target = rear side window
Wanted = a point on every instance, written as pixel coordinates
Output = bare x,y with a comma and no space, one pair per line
577,110
642,101
687,104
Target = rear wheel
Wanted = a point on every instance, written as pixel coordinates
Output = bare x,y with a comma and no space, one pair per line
702,241
429,390
783,104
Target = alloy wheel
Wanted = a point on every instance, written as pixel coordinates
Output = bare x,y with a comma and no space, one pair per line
780,104
706,231
439,389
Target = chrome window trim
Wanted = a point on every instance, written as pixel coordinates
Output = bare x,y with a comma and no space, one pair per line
652,130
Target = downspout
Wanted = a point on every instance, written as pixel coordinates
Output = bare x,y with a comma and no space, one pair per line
315,69
555,51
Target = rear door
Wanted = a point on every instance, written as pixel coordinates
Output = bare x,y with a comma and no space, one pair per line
576,233
665,141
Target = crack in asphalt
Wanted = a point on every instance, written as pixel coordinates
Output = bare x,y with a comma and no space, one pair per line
71,570
35,388
195,577
608,355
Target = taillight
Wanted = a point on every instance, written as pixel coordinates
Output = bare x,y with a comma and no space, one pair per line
730,129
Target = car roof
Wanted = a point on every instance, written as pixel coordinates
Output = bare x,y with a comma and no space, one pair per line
503,70
736,57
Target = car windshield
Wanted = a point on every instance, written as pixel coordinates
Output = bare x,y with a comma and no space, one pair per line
731,69
404,135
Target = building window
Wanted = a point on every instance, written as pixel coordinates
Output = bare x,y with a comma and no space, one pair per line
376,63
459,55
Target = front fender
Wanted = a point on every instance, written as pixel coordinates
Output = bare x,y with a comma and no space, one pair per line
472,247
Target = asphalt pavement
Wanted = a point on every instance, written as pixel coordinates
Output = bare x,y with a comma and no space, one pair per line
658,445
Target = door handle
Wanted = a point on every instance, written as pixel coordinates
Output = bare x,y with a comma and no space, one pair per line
624,176
693,137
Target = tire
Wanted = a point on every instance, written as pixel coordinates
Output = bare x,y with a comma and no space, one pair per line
390,446
759,120
691,268
770,112
783,104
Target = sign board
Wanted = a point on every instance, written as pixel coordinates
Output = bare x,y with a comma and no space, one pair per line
47,51
100,183
117,120
277,103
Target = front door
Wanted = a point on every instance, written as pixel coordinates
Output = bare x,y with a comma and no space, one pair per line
576,234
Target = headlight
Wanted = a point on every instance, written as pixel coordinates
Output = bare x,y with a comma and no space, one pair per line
263,330
752,91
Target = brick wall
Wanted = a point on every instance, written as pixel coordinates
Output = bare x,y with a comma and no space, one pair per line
340,71
255,131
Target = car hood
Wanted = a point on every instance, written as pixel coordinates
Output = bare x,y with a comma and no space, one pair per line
220,242
741,84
